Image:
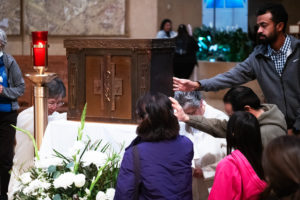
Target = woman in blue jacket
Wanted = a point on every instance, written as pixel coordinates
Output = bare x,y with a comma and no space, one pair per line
157,164
12,86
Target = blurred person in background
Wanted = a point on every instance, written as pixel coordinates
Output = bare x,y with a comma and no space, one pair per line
166,30
281,164
185,53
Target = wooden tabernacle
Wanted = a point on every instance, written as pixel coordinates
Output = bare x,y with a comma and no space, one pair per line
111,74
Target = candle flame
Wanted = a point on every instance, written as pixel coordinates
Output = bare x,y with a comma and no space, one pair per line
40,45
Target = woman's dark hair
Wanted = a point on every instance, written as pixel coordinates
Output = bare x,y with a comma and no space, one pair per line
182,40
162,25
278,12
241,96
56,88
158,120
182,31
243,133
281,163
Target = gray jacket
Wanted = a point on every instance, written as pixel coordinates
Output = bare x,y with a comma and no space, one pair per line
16,83
272,124
283,91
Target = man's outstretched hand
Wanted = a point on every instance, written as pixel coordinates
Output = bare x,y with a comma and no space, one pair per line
178,110
185,85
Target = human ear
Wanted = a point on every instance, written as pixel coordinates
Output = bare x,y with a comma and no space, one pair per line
279,26
247,108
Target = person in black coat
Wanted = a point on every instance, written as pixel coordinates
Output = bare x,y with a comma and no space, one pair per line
185,53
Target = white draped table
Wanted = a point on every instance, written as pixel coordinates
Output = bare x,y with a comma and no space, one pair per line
61,135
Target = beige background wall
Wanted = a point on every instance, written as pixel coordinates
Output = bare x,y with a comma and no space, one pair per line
180,12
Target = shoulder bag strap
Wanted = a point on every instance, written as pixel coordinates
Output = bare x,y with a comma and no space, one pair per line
136,162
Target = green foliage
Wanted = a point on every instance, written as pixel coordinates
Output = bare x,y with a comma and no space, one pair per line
221,45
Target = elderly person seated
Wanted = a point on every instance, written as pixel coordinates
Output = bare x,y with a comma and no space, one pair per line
24,151
157,164
208,150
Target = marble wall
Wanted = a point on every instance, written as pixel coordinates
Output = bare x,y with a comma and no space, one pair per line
75,17
10,16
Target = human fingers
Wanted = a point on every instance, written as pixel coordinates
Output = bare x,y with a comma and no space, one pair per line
177,81
176,106
173,101
176,87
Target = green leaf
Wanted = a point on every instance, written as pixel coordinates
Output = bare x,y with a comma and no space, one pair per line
97,145
51,169
59,155
32,139
57,197
70,165
105,148
56,174
85,148
80,129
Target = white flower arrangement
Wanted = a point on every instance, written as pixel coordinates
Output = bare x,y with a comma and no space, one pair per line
90,173
109,195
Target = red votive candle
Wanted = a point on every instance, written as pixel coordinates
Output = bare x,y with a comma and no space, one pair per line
39,41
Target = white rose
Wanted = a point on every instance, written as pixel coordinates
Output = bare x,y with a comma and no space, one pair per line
87,191
26,190
110,193
94,157
25,178
45,185
79,180
64,180
33,185
101,196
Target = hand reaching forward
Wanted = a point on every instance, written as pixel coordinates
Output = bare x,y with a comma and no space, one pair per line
178,110
185,85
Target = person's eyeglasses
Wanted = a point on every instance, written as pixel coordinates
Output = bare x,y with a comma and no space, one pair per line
57,104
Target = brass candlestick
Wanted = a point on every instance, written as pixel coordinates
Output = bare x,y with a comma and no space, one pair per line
39,50
40,103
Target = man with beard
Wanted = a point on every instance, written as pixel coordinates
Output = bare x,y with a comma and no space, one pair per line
274,63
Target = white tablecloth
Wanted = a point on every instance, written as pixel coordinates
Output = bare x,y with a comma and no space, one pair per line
61,135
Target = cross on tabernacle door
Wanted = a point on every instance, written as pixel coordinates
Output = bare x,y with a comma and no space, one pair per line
112,84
